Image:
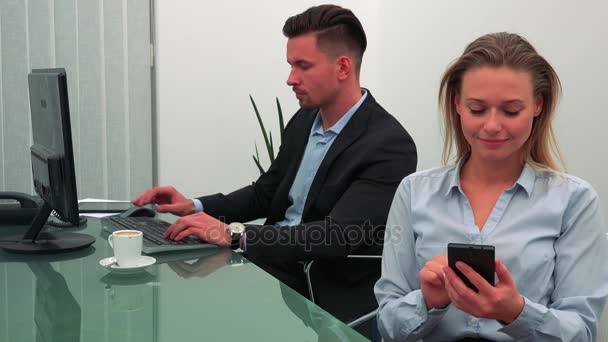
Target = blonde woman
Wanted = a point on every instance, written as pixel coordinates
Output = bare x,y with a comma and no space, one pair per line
506,190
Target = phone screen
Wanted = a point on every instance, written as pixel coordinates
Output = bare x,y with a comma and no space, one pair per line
478,257
104,207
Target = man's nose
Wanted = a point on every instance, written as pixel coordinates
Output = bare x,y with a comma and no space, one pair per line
293,78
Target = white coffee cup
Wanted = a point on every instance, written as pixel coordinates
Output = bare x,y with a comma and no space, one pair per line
127,247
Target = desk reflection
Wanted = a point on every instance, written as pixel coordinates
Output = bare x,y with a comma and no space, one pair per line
70,297
57,314
131,306
204,266
328,330
127,294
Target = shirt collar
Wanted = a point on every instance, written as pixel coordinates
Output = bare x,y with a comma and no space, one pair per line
317,126
525,180
455,176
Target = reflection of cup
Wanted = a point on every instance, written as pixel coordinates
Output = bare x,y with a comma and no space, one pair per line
127,246
129,294
125,298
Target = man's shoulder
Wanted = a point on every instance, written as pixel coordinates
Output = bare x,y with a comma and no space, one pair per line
378,115
372,105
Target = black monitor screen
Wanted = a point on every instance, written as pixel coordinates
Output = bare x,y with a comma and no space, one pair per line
47,103
52,167
53,142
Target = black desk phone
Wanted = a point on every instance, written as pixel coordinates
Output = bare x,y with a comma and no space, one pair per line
21,210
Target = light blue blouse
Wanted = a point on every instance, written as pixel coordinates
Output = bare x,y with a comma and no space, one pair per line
548,231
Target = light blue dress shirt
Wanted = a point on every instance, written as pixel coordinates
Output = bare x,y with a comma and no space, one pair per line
547,230
198,205
319,142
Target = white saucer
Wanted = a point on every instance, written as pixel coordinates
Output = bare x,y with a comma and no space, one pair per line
143,262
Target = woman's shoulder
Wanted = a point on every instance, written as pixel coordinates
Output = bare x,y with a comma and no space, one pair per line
432,176
566,182
577,181
435,172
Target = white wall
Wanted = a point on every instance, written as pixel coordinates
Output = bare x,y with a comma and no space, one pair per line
211,55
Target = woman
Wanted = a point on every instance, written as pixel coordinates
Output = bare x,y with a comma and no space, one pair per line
505,190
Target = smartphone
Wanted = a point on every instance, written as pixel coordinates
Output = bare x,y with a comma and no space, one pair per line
104,207
478,257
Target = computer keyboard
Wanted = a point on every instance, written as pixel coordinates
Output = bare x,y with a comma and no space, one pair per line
153,229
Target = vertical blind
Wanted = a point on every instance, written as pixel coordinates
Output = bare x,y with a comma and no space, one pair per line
105,47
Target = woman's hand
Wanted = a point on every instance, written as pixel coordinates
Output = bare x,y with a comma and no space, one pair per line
501,302
432,282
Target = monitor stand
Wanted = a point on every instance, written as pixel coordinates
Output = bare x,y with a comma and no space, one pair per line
35,242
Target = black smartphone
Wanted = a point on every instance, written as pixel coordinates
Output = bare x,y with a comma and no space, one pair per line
103,207
478,257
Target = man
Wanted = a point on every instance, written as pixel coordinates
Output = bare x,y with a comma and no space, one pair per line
328,192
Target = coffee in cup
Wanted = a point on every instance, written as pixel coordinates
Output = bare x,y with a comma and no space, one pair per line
128,233
127,246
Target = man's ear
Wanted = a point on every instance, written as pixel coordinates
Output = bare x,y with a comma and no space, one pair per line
345,67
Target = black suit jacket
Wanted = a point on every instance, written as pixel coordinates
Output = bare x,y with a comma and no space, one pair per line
349,198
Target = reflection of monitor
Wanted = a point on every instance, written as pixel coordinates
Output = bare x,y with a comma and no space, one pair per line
52,166
57,314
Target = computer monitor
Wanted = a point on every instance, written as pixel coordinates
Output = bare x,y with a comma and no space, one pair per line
52,166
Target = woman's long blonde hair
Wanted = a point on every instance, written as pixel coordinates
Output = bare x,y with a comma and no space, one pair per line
513,51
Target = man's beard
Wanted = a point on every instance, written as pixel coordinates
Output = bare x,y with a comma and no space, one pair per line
307,105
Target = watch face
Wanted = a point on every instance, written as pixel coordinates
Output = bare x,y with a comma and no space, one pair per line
236,228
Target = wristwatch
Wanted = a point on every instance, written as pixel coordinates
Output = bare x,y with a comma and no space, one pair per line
236,230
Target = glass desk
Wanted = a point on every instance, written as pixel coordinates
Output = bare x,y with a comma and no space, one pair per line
212,295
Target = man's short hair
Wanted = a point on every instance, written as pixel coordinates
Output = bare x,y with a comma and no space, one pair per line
338,31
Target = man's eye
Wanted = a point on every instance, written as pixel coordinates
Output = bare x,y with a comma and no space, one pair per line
305,66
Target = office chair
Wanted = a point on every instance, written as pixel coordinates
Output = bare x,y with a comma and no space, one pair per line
358,321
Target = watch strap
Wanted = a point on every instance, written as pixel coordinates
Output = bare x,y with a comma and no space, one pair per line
237,230
235,243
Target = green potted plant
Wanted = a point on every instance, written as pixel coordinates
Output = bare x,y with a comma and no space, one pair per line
268,141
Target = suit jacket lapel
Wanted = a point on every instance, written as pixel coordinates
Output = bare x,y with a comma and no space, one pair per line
353,129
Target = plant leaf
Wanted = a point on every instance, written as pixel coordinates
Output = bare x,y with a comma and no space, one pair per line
281,122
257,114
271,156
257,163
257,155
